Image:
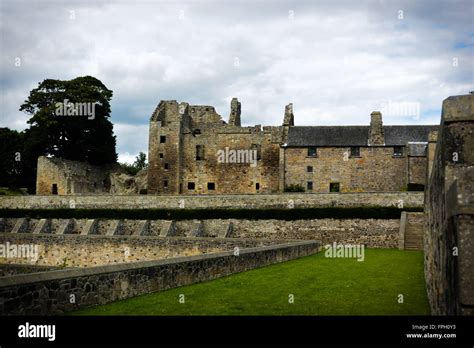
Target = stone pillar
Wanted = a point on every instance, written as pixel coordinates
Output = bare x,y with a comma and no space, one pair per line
289,119
430,152
376,136
234,118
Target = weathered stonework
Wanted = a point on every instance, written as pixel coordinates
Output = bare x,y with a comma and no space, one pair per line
185,141
263,201
381,171
449,211
87,251
373,233
49,293
64,177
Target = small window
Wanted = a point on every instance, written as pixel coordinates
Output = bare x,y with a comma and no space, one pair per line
54,189
309,186
161,155
211,186
167,166
199,152
162,139
312,152
165,183
191,186
257,186
334,187
309,169
398,151
355,151
258,149
197,131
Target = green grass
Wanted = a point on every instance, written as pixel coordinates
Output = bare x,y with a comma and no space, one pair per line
321,286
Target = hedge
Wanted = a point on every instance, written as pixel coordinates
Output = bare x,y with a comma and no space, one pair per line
204,214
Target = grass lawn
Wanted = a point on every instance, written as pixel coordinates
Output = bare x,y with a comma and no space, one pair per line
320,286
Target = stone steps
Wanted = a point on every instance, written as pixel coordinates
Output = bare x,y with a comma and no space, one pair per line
411,231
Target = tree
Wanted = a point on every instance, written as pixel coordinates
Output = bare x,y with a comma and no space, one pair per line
59,126
140,162
11,150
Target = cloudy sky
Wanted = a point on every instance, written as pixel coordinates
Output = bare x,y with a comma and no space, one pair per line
336,61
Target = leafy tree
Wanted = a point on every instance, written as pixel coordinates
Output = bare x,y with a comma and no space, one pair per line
79,138
11,149
140,162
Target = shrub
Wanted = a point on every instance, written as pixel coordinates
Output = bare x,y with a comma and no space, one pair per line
294,188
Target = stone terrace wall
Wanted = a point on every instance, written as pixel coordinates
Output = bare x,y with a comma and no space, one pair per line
50,292
74,250
373,233
449,212
383,199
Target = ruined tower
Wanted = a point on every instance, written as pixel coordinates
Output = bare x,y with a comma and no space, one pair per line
376,135
165,147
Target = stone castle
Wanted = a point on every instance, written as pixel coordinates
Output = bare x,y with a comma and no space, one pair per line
192,150
187,145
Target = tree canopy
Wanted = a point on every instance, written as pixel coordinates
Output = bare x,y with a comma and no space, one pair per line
67,135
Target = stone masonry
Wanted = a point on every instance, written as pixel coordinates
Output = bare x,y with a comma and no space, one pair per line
185,142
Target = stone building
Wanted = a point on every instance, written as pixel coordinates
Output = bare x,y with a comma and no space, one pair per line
192,150
58,176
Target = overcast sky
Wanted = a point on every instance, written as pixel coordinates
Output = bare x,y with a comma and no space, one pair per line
336,61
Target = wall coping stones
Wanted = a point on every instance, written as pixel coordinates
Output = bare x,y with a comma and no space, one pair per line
300,200
458,108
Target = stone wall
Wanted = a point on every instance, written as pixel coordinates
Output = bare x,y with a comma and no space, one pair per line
176,130
375,170
304,200
449,212
74,177
376,233
51,293
95,250
373,233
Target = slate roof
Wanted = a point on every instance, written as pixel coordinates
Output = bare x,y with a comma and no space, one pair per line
303,136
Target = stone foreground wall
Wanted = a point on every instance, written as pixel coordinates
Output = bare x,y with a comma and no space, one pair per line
51,293
381,199
449,212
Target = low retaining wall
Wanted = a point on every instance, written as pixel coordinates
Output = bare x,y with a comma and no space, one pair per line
73,250
57,292
287,200
373,233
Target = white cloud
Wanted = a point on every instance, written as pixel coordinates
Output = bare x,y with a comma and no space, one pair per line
336,61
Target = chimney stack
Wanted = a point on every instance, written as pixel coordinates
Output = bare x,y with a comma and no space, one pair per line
289,119
234,118
376,136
